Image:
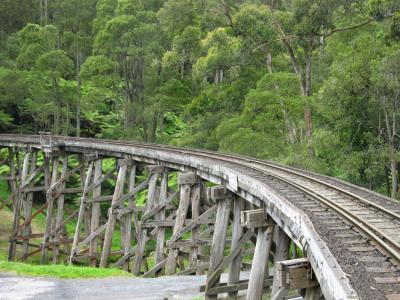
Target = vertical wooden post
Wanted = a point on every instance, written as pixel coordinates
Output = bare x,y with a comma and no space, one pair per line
219,194
13,176
95,220
118,191
281,253
151,197
87,211
27,206
160,217
60,211
184,180
81,212
259,265
195,197
17,211
49,214
127,224
237,231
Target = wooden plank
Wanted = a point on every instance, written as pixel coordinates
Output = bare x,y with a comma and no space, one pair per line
254,218
27,206
49,214
214,277
159,206
118,191
237,231
234,288
120,262
260,261
127,222
19,199
32,175
188,243
159,255
29,221
81,210
95,220
281,253
185,188
89,238
60,209
130,194
13,182
219,237
195,199
156,268
137,262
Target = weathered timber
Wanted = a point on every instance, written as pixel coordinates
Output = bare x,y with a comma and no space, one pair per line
281,253
214,277
254,218
161,217
13,180
195,197
118,191
185,180
50,209
142,237
95,220
60,210
294,274
81,211
219,194
19,198
260,261
237,230
27,205
127,222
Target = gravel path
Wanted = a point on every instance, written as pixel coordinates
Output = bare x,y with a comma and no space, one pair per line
162,288
168,287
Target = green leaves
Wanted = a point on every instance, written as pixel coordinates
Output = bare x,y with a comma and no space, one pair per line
56,64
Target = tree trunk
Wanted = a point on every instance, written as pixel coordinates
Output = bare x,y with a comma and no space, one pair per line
394,171
391,133
154,127
78,85
307,110
126,95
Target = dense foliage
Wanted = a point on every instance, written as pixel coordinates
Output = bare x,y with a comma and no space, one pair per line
310,83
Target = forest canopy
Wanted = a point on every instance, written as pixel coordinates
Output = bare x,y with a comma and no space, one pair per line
314,84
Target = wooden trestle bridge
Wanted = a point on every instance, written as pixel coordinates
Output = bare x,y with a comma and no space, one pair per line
159,210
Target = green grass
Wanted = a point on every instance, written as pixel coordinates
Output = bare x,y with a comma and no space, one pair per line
61,271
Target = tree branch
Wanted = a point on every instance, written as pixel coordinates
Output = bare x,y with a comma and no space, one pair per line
326,35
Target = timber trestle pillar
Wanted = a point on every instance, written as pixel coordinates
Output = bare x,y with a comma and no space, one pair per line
149,217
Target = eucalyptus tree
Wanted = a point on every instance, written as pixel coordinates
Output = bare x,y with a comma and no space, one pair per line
130,39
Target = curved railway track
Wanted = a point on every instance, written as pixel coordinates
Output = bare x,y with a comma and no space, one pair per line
376,221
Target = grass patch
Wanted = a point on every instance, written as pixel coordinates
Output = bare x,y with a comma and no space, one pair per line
61,271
